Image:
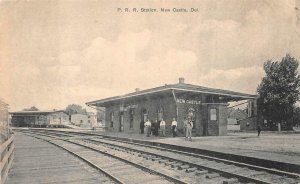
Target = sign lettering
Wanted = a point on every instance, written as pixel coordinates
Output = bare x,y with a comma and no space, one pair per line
188,101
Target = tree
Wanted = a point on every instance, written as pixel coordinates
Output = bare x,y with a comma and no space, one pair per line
279,90
296,117
75,109
33,108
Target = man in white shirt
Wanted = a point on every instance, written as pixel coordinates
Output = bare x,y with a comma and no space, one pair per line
174,126
185,122
189,130
163,127
148,127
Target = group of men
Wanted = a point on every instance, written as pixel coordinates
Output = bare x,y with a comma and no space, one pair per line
152,128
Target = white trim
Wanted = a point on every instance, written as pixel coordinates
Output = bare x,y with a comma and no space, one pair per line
226,94
226,104
197,91
122,97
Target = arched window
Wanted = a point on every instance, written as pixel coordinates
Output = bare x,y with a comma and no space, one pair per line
192,116
144,115
131,113
160,113
213,114
112,119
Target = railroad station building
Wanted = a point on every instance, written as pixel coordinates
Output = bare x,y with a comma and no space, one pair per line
39,118
206,107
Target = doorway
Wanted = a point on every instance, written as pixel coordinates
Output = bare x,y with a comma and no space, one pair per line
121,127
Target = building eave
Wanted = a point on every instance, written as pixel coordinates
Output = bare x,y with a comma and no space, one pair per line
239,95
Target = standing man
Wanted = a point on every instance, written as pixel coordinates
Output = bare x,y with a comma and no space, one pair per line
148,127
189,129
163,127
258,130
185,122
174,126
142,126
156,125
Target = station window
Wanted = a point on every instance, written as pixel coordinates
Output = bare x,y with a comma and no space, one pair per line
192,116
112,119
144,115
213,114
131,113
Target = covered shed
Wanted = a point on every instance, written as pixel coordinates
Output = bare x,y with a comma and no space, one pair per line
39,118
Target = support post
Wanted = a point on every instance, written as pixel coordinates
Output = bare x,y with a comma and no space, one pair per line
174,96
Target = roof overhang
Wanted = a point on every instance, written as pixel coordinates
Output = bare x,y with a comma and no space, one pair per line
34,113
239,96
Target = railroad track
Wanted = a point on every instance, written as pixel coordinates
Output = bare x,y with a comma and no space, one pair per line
116,166
189,168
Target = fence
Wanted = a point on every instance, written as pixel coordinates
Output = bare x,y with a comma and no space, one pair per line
7,156
6,142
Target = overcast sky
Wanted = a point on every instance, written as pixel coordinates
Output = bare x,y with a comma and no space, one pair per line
54,53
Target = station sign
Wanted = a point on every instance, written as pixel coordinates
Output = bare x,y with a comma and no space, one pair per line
188,101
126,108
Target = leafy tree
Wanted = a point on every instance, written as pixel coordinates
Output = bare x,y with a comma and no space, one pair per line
33,108
296,117
75,109
279,90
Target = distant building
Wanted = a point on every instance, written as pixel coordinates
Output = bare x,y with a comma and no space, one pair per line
206,107
39,118
88,120
79,120
237,114
243,119
92,119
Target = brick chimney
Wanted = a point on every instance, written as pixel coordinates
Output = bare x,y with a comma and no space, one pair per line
181,80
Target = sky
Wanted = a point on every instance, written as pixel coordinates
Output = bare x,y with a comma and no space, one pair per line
54,53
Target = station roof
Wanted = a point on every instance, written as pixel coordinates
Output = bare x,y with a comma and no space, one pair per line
181,87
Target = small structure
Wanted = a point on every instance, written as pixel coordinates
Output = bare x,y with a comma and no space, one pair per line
206,107
39,118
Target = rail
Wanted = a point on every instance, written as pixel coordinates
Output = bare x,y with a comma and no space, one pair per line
6,156
209,166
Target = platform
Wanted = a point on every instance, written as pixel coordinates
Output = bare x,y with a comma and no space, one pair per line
282,147
273,146
37,161
270,149
276,147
